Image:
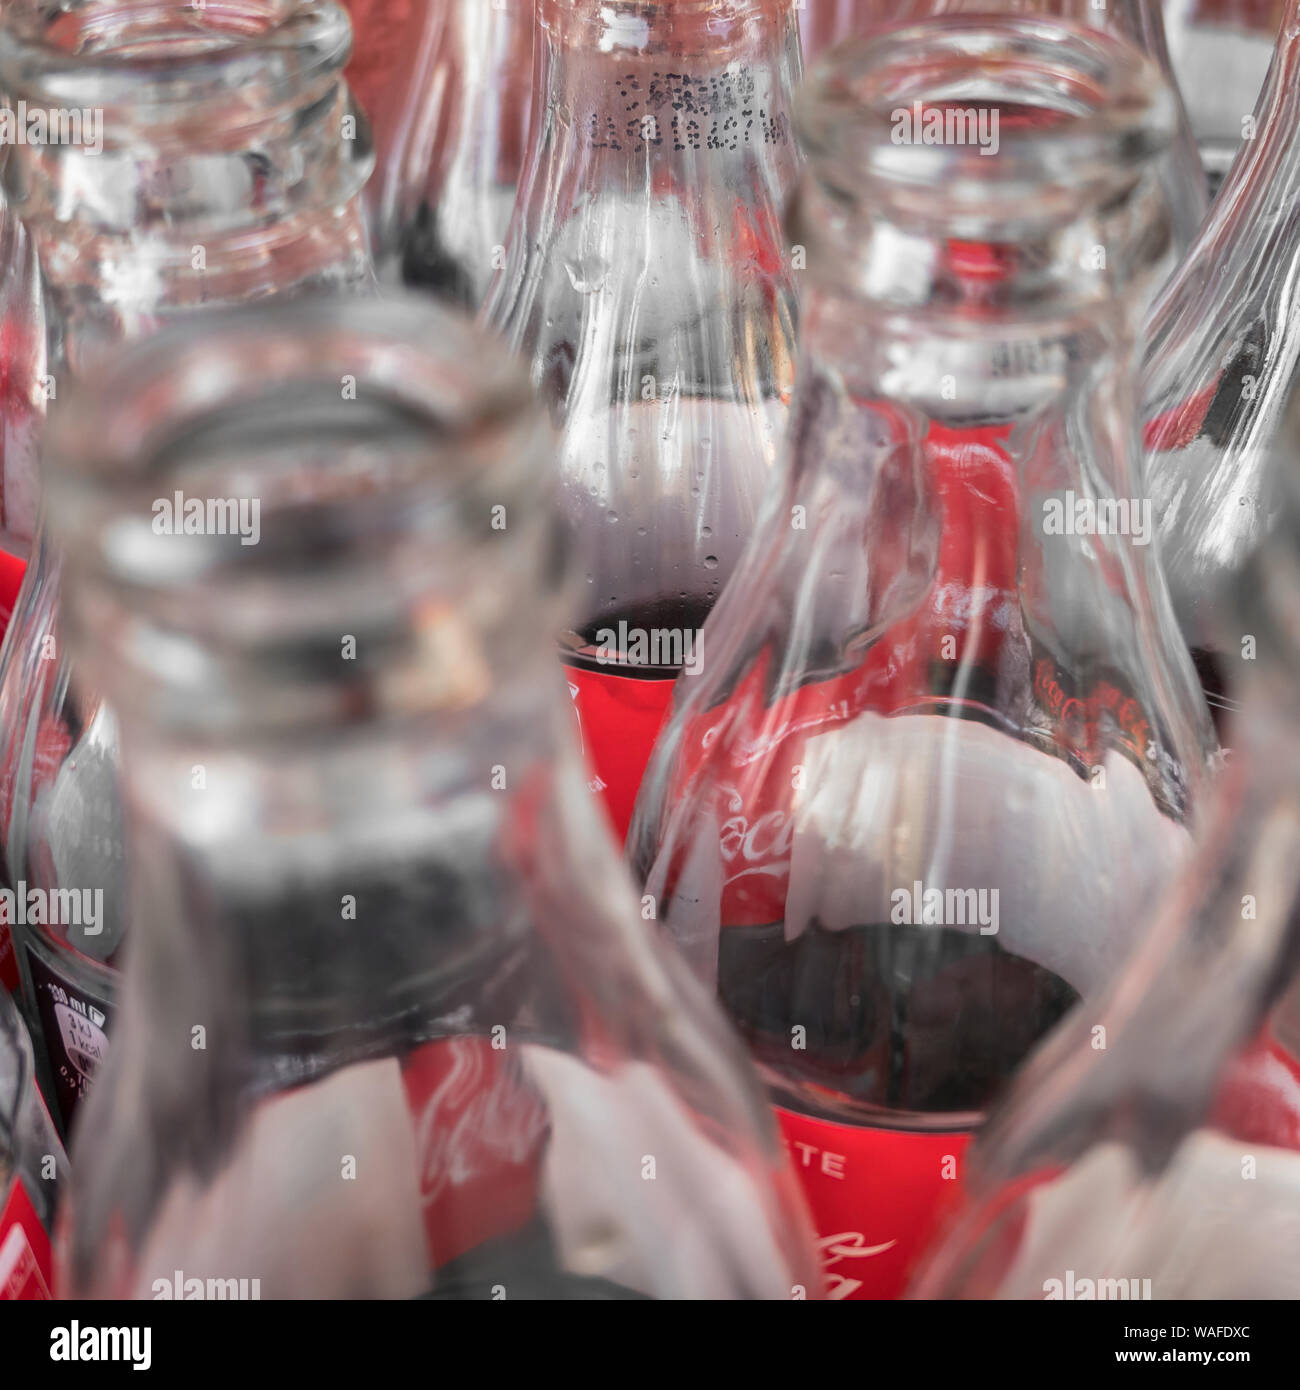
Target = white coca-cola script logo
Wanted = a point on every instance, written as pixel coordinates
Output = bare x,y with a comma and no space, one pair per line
478,1117
760,847
848,1245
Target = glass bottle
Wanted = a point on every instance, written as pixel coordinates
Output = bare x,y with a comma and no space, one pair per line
1220,51
1222,346
647,286
1152,1148
175,199
893,820
1141,22
448,84
32,1166
364,869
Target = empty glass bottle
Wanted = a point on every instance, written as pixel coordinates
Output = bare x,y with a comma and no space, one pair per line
896,819
1141,22
448,85
391,1022
1223,343
1152,1148
32,1167
176,198
648,288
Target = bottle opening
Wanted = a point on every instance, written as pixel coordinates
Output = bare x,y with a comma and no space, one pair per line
145,54
313,405
985,119
232,504
148,28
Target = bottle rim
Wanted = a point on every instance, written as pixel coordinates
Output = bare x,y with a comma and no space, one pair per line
864,118
125,428
93,58
238,493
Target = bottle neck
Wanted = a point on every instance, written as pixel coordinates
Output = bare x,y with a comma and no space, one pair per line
638,99
153,199
892,405
1221,352
978,475
648,286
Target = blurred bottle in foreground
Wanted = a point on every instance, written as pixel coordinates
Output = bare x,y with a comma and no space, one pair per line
1152,1148
175,199
380,933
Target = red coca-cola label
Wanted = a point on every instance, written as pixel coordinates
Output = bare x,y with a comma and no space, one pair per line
877,1197
619,718
480,1134
12,570
26,1267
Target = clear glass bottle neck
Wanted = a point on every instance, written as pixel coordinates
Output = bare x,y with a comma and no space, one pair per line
647,285
688,30
978,244
163,190
972,368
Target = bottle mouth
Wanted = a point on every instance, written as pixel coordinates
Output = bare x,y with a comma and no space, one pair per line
146,58
982,122
233,501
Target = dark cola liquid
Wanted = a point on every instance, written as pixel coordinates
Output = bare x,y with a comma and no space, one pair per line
923,1019
653,631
